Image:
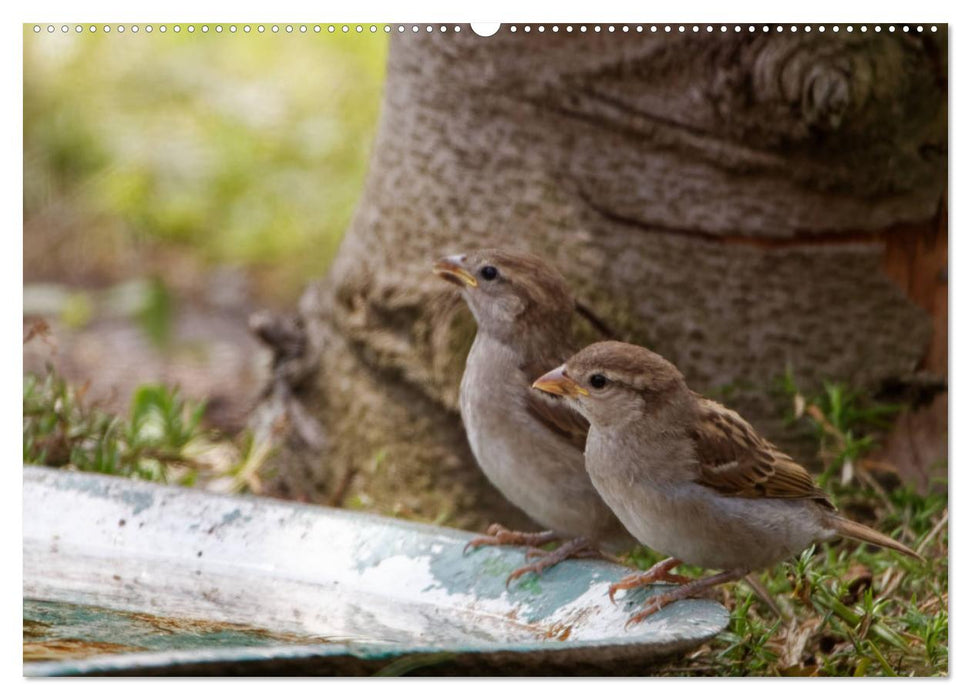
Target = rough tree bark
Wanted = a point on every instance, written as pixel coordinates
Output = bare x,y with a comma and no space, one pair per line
739,203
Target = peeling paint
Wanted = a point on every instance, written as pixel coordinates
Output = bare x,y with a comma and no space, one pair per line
301,573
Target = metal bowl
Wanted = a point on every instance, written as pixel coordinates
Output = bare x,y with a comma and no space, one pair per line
125,577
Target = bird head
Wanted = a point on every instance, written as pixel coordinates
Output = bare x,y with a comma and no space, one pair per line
612,383
510,293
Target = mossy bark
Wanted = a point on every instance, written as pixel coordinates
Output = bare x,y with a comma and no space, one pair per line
735,202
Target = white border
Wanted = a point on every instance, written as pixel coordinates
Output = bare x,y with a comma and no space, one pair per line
602,11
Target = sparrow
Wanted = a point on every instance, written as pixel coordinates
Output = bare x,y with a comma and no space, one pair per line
688,477
528,444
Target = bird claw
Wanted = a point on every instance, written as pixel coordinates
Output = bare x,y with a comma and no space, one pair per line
578,548
660,572
651,606
475,543
540,566
612,591
521,571
496,536
629,582
689,590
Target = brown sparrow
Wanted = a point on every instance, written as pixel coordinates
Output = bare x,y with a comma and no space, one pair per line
689,477
528,444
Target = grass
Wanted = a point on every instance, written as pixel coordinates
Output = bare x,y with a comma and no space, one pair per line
849,609
154,443
162,439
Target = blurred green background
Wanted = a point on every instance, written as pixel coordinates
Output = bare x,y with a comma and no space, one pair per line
174,183
168,154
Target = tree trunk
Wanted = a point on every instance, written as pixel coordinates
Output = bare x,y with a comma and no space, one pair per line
739,203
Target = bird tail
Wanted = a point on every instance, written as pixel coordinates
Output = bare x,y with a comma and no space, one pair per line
856,531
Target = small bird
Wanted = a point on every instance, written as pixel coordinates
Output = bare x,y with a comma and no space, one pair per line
528,444
689,477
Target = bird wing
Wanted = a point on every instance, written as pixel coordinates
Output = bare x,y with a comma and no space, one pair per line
554,413
737,461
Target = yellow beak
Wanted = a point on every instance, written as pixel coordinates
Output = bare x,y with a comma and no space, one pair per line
556,382
451,269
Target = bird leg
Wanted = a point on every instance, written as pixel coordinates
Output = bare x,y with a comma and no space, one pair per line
497,535
658,572
688,590
577,548
593,553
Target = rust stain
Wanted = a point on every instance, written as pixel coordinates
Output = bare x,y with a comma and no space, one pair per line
35,628
57,649
172,625
559,631
39,646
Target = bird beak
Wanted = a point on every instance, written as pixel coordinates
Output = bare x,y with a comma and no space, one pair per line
452,270
556,382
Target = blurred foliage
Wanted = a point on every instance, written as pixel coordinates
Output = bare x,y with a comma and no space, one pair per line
240,149
155,315
846,423
61,430
162,439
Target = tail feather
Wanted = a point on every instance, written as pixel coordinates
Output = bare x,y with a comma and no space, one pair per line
856,531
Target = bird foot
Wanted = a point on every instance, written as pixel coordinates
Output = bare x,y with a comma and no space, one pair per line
578,548
535,553
652,605
497,535
688,590
660,572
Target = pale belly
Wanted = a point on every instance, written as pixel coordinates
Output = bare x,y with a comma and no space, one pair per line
534,469
714,532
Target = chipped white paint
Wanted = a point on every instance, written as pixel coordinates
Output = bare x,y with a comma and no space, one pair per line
314,571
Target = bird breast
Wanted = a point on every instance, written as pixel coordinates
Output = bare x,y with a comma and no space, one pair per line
535,469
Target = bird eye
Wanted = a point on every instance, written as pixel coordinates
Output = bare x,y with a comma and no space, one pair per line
598,381
489,272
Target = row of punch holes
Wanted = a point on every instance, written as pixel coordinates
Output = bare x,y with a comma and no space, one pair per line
415,28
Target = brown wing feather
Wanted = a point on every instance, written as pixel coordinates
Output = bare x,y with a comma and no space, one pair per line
553,413
737,461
